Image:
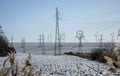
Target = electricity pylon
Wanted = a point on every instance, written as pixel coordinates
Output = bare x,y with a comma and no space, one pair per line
112,41
43,45
57,35
80,35
101,41
39,41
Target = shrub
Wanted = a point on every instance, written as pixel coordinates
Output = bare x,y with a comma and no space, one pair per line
69,53
83,55
4,46
98,54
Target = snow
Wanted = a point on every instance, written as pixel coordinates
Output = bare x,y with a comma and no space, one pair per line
63,65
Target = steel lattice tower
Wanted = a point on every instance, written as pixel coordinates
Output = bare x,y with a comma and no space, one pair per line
57,35
80,36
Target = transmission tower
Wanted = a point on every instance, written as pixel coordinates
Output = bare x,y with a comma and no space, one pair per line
57,35
43,45
39,41
112,41
80,36
101,41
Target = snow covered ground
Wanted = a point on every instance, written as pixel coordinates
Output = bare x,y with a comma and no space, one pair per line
63,65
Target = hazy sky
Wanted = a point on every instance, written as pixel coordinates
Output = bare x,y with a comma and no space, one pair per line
30,18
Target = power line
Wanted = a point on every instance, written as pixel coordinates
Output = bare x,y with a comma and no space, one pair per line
97,15
107,28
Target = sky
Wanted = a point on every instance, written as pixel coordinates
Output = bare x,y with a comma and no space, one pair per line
30,18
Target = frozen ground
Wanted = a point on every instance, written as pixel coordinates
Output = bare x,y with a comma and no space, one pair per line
63,65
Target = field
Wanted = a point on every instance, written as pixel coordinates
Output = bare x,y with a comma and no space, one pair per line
60,65
63,65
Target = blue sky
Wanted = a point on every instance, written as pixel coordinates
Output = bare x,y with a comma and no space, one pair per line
30,18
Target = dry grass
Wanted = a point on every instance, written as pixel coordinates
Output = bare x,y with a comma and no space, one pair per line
114,61
14,70
110,63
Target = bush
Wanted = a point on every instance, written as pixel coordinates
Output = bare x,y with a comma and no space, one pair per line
83,55
98,54
4,46
69,53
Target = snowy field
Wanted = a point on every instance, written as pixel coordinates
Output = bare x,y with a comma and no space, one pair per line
60,65
63,65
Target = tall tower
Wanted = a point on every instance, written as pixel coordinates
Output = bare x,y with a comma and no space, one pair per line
57,35
43,45
112,42
80,36
40,38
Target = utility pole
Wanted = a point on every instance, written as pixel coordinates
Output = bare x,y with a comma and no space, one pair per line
57,34
80,36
